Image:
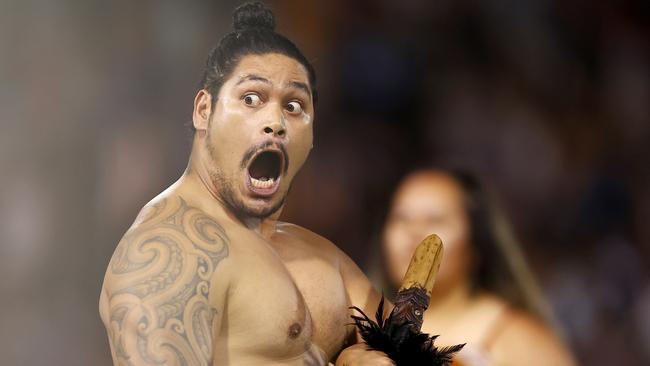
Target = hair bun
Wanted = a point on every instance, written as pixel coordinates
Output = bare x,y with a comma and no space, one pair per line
253,15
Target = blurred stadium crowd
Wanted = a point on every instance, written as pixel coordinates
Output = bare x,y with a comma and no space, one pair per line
548,101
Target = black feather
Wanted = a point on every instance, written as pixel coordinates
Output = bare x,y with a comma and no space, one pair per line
400,342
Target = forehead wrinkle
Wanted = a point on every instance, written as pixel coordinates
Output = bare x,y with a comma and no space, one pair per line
253,77
273,67
300,86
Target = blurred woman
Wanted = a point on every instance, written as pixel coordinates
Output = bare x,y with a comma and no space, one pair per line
484,294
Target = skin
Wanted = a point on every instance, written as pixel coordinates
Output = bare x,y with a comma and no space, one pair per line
433,202
207,275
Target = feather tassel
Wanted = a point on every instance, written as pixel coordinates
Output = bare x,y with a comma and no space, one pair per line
400,341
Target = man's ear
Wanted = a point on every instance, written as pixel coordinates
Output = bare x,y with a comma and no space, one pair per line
202,110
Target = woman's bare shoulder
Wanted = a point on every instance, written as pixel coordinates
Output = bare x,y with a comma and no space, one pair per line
526,340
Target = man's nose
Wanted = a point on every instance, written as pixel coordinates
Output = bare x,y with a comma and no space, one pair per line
275,129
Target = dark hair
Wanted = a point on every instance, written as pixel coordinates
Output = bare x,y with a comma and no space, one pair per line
480,212
253,34
500,265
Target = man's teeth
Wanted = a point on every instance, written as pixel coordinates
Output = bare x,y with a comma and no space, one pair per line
262,182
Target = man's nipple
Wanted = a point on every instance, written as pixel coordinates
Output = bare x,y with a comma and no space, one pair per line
294,330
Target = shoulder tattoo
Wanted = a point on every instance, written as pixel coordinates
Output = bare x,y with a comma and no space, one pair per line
158,307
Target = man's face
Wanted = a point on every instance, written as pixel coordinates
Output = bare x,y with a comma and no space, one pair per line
260,133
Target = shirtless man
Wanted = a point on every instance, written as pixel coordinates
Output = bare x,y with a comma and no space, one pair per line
207,275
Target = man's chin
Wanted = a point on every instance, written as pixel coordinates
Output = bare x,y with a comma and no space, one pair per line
257,208
262,212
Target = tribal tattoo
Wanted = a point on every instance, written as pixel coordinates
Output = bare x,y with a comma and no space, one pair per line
158,284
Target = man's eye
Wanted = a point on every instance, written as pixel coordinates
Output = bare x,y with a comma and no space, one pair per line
294,108
252,100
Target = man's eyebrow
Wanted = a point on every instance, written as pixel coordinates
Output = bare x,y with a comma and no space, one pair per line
252,77
300,85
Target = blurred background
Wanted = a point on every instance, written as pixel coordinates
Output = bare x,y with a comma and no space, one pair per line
547,100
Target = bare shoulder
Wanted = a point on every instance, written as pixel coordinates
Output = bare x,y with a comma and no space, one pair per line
166,231
360,291
158,289
316,242
526,340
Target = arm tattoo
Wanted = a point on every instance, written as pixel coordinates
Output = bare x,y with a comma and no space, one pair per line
159,313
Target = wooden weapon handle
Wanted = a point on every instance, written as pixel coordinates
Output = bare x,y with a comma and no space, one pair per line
413,296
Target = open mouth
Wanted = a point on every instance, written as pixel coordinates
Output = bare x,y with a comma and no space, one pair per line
264,172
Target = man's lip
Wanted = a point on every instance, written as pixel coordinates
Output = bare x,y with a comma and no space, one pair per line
273,188
262,191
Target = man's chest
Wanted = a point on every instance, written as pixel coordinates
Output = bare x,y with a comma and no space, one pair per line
323,291
284,300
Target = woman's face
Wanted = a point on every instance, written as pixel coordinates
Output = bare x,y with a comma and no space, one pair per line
428,203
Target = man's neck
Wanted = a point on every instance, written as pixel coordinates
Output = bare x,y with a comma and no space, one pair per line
263,226
197,171
196,176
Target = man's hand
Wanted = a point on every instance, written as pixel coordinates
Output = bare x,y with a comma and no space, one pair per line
359,355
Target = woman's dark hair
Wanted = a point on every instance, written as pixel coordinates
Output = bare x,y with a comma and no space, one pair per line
253,34
482,232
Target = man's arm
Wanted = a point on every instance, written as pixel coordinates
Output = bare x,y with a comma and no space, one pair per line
162,302
363,295
360,290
